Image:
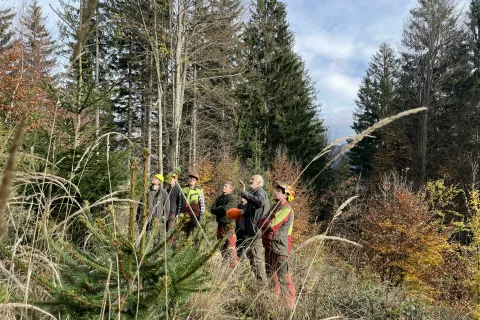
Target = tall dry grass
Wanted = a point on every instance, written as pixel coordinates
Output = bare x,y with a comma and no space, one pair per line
335,290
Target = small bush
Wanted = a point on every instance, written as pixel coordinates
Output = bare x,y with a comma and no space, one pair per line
401,239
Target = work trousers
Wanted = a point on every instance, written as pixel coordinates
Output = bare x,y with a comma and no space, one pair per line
256,255
229,247
277,270
190,226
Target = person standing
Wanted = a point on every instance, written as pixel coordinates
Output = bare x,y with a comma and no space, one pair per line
157,203
226,226
257,207
277,230
240,229
175,196
193,203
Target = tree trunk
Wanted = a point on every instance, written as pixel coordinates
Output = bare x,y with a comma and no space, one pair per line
179,81
129,106
165,133
423,130
194,121
156,55
97,76
422,148
148,129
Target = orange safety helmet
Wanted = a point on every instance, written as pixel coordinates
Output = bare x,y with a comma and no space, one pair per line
287,189
234,213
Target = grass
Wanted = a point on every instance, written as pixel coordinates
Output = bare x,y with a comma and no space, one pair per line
334,290
330,288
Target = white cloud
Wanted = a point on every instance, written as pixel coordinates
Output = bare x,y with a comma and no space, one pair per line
324,44
338,121
337,39
321,43
343,85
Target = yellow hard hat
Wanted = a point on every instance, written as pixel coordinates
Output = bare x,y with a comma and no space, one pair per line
170,175
160,177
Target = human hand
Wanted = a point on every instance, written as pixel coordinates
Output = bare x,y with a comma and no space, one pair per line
243,186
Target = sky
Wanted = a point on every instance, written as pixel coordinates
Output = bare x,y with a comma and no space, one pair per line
336,39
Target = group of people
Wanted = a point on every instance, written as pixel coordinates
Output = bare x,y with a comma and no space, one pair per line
263,232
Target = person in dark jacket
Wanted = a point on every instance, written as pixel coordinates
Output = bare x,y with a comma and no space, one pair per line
157,204
257,207
240,230
226,226
277,229
175,196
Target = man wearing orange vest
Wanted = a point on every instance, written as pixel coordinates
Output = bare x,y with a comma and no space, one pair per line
193,202
277,229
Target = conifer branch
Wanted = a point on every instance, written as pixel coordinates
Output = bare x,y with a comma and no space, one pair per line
201,262
94,230
44,283
74,253
174,232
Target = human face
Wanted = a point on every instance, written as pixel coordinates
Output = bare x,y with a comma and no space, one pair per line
192,181
279,195
254,182
155,181
173,181
227,188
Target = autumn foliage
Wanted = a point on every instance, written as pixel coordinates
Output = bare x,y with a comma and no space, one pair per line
402,240
22,93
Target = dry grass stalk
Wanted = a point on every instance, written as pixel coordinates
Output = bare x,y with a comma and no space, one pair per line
324,237
26,306
359,137
8,174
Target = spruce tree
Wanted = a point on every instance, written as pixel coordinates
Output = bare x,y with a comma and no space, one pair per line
118,272
126,64
435,66
6,33
278,97
375,100
39,45
474,32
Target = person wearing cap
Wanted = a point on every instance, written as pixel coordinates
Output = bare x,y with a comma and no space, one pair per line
193,203
257,206
226,226
157,203
277,229
175,196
